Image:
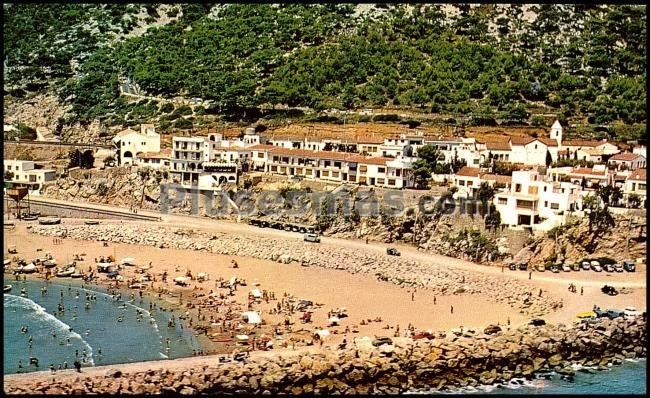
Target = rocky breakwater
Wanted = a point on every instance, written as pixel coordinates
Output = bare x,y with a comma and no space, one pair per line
439,278
455,361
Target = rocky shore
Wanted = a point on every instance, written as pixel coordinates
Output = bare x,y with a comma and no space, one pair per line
441,363
441,280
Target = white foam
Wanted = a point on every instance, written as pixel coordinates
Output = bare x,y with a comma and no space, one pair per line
163,356
56,322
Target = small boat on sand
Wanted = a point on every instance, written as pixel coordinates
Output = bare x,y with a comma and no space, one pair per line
66,273
7,289
91,222
27,269
77,275
49,263
49,221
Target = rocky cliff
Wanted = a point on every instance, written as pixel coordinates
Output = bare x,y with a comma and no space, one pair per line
577,240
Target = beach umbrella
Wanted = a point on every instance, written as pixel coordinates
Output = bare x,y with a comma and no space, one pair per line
256,293
334,320
233,280
323,333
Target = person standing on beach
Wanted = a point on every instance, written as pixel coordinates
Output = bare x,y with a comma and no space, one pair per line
582,290
412,296
530,275
77,365
452,309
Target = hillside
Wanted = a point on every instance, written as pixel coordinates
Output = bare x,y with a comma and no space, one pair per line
465,65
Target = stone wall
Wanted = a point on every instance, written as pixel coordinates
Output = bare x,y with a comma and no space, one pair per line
74,211
441,363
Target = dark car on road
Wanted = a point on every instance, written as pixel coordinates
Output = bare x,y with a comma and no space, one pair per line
391,251
609,290
523,266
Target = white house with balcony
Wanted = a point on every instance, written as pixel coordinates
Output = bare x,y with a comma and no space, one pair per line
130,143
534,202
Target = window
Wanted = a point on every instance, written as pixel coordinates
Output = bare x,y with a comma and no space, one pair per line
274,168
32,178
308,172
363,169
503,201
326,163
325,173
555,206
381,169
544,189
476,161
380,181
461,183
398,172
517,187
545,203
532,190
391,181
337,165
335,174
260,155
642,187
470,183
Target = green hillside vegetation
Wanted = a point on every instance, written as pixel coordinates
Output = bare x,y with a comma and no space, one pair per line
582,63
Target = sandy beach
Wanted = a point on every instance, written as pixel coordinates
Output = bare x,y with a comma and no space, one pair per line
363,296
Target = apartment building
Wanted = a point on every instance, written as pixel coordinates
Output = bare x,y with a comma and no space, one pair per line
26,173
129,143
336,167
468,180
534,202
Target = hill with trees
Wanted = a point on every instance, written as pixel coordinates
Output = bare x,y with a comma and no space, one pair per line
508,63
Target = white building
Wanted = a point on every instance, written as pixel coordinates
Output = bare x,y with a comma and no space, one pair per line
627,161
333,166
588,150
533,151
129,143
156,160
637,184
533,202
25,173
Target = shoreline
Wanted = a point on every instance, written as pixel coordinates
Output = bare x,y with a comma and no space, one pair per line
438,364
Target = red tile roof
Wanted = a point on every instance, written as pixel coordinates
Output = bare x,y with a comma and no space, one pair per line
638,175
589,171
626,157
548,141
328,155
467,171
498,146
497,178
587,143
163,154
521,140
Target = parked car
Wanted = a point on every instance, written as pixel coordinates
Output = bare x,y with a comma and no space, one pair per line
586,266
629,265
512,266
595,265
566,268
312,238
631,312
612,313
537,322
576,267
523,266
600,313
609,268
555,269
379,341
492,329
586,315
618,267
609,290
391,251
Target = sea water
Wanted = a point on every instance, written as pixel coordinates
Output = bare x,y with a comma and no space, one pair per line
628,378
94,336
